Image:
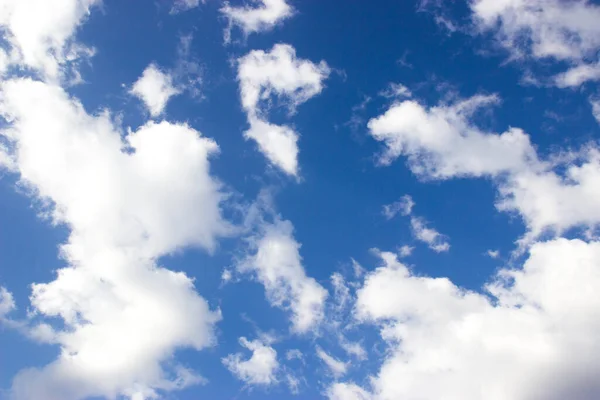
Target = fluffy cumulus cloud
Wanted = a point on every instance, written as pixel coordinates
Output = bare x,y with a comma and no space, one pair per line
259,16
110,192
39,33
280,74
276,262
155,88
260,369
530,337
546,29
441,142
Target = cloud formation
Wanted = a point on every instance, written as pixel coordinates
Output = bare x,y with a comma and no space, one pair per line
110,193
546,30
260,369
522,340
276,262
264,17
154,88
441,142
40,33
280,74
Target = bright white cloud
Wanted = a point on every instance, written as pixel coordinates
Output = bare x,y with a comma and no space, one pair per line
277,264
265,16
403,207
39,32
335,366
549,201
260,369
435,240
278,73
347,391
524,340
154,88
110,192
279,143
441,143
7,303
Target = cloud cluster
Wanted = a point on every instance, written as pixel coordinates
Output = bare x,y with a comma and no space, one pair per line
441,142
530,337
110,192
40,33
277,73
565,31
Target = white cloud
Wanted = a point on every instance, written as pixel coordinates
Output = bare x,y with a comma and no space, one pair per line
154,88
545,29
435,240
577,75
596,109
493,253
353,349
441,143
405,251
277,263
336,367
341,292
524,340
278,73
39,32
552,202
279,143
553,28
403,206
184,5
347,391
294,354
396,91
260,369
7,303
262,18
110,192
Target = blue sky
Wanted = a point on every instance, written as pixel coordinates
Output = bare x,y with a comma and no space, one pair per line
286,199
